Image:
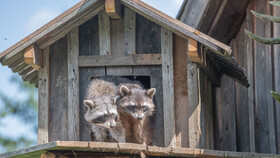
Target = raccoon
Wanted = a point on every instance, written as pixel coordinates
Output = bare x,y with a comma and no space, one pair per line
102,112
136,107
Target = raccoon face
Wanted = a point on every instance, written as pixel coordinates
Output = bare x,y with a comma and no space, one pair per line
137,102
102,113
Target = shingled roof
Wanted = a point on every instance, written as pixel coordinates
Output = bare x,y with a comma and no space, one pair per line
86,9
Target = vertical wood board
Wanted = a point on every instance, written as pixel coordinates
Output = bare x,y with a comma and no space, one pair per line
58,109
148,36
129,31
104,33
193,103
265,133
225,113
118,47
181,90
73,85
276,68
168,88
242,107
89,37
43,99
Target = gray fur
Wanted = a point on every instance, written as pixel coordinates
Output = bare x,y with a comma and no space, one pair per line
100,100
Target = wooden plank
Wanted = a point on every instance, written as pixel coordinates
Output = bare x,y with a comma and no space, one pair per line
84,149
265,132
20,67
210,117
181,91
126,60
147,36
276,68
188,16
89,37
175,26
43,99
250,75
242,107
193,102
104,33
28,76
129,31
73,85
113,8
85,76
118,47
55,26
26,70
58,105
168,88
33,57
155,73
225,124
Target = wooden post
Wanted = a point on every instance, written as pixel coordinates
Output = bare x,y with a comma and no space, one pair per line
43,99
104,33
33,57
73,85
113,8
130,31
168,88
181,90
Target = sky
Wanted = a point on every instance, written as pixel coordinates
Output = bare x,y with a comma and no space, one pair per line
19,18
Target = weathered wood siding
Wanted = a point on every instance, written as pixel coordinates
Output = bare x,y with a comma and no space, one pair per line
58,107
256,114
246,119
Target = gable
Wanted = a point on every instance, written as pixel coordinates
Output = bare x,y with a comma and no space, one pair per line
86,10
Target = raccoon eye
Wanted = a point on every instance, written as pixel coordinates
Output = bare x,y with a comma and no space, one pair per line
131,108
145,108
99,119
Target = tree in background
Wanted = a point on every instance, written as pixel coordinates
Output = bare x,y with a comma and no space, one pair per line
25,109
267,40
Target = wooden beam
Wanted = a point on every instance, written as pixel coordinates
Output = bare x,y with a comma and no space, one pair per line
116,60
43,100
73,85
113,8
33,57
129,31
104,33
168,88
48,155
193,52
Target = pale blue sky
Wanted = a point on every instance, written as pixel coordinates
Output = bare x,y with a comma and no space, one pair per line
19,18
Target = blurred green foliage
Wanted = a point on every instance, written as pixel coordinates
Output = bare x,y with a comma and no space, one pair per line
24,108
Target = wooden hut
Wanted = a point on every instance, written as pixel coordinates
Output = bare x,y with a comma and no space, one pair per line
249,120
123,38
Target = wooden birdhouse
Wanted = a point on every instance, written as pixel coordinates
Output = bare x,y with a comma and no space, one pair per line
131,39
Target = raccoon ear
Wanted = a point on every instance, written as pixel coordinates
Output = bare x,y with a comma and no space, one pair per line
124,91
89,103
151,92
116,99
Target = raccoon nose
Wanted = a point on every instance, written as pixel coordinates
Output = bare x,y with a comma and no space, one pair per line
112,125
139,117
